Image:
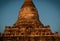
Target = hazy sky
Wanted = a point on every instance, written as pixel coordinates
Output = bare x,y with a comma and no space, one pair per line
48,10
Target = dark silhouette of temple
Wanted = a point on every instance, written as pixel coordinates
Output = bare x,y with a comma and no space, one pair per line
28,27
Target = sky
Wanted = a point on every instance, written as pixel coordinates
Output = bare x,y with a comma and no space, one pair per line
48,10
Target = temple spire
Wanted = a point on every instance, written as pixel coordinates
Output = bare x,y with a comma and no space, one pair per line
28,0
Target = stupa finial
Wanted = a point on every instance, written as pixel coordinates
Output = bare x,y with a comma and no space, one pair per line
28,0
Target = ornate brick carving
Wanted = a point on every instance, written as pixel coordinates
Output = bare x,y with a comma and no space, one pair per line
28,27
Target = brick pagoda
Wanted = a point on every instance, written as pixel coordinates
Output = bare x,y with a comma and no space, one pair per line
28,27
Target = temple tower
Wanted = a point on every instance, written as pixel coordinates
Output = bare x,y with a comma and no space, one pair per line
28,15
28,27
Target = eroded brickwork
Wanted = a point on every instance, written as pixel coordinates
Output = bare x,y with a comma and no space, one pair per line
28,27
